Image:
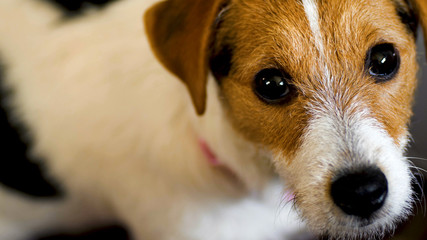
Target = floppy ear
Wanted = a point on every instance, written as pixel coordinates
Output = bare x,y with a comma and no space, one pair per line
179,32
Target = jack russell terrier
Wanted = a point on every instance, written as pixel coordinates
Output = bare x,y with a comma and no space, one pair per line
180,127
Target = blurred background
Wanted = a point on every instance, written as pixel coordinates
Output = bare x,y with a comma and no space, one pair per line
418,147
416,227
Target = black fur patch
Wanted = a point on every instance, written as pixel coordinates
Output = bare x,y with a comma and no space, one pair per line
113,232
220,62
73,8
221,52
407,16
16,170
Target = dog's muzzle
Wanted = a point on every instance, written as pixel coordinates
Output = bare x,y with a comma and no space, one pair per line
360,192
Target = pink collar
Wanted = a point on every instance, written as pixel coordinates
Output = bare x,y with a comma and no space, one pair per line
288,196
209,154
213,161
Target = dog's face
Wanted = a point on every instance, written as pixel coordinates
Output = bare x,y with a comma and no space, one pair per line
326,86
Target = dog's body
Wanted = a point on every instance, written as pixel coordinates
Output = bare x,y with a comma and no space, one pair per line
121,136
128,146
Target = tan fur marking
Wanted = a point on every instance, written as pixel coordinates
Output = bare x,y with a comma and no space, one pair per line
346,50
279,127
280,37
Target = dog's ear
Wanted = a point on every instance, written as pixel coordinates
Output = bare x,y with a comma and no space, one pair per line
179,32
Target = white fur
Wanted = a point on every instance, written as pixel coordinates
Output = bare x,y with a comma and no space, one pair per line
335,141
312,14
119,133
230,220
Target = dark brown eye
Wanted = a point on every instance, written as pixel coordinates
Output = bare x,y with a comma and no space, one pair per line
383,62
271,85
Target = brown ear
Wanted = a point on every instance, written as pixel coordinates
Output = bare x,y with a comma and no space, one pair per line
179,33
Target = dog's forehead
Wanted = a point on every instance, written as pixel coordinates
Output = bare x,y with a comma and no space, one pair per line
297,12
323,46
298,30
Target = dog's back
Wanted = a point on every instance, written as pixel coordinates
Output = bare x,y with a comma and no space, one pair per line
92,98
108,121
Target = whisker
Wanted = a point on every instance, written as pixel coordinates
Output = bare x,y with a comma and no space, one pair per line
417,158
284,201
418,169
418,181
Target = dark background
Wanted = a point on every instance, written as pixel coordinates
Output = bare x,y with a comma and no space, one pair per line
418,147
416,227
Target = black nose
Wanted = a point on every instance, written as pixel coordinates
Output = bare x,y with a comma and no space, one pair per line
360,193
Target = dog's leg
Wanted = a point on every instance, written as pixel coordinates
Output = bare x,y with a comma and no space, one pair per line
23,217
269,215
262,217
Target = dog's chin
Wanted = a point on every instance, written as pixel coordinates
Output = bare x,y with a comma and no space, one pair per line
324,218
349,227
359,229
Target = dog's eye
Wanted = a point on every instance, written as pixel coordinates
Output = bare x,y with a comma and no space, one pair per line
383,62
271,85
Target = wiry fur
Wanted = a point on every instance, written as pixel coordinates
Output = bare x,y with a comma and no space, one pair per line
120,133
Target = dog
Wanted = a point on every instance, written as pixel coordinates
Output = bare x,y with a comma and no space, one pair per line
214,119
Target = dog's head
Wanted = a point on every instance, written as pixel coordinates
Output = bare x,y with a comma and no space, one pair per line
326,86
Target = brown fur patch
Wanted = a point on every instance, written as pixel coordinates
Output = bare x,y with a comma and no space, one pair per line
257,42
277,34
361,26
